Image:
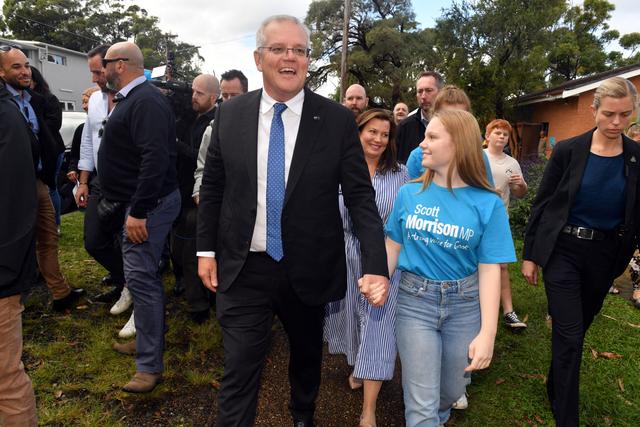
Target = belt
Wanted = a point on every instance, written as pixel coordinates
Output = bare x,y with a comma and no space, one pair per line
584,233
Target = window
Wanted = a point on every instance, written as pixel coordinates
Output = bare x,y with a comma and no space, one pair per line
68,105
54,58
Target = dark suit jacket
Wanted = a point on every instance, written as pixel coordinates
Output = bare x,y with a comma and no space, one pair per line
50,141
327,154
560,183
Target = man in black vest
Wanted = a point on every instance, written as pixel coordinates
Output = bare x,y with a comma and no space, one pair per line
136,161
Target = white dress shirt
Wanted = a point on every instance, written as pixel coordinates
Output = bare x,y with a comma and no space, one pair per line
291,121
97,113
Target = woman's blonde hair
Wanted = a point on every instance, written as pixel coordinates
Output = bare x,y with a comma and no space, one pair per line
615,87
465,134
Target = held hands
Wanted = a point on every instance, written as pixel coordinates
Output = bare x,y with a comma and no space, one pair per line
208,272
72,176
374,288
530,272
480,352
136,229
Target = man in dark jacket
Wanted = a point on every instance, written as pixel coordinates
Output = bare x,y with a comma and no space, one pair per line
17,260
15,72
204,93
411,130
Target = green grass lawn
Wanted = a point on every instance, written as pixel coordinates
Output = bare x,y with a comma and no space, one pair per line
77,376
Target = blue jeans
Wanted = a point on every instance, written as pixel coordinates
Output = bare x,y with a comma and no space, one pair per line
435,323
144,282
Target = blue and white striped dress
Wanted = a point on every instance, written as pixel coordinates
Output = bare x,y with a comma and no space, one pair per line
363,333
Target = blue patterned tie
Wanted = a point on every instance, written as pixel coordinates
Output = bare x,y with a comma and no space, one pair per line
275,184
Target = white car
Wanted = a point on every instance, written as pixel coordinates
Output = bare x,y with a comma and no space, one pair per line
70,121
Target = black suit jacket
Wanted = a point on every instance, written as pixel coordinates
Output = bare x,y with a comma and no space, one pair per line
561,182
327,154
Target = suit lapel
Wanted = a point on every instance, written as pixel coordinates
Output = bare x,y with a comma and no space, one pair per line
310,124
579,157
631,161
247,128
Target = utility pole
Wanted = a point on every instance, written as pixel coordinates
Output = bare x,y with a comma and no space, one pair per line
345,45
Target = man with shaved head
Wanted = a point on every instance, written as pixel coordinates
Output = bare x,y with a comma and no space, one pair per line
355,99
137,159
205,90
15,72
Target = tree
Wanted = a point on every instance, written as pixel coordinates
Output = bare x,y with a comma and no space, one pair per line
494,49
83,24
578,43
386,48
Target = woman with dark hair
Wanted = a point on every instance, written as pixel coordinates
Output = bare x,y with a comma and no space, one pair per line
52,115
582,232
353,327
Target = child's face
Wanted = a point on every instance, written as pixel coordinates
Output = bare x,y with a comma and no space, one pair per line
498,137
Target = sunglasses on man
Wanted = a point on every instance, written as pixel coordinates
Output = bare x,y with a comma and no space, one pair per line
106,61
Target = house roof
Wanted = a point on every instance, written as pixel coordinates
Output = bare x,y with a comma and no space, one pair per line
32,44
576,87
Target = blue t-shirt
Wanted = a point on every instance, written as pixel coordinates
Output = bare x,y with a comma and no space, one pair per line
600,202
414,165
445,235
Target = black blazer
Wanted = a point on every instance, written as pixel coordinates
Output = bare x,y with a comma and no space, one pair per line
560,183
327,154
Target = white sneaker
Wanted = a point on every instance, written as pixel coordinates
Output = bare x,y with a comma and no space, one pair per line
123,303
129,330
461,403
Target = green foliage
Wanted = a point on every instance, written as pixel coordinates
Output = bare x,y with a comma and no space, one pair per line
83,24
494,49
387,50
577,45
520,209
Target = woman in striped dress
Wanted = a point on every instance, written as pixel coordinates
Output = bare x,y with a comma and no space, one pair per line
365,334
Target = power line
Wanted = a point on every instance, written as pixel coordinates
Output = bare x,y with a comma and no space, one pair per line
56,28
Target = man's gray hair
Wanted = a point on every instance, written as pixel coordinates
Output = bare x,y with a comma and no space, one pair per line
260,37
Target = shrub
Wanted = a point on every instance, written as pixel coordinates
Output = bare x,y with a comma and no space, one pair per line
520,209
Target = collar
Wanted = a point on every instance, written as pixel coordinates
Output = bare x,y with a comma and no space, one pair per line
422,117
133,83
294,104
25,96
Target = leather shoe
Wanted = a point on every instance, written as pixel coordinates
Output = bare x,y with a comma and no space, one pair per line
128,348
303,423
143,382
62,304
109,296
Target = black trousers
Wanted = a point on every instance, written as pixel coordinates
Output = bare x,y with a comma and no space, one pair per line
185,261
577,278
100,243
246,311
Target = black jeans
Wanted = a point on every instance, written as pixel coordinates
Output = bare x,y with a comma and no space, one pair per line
577,278
100,243
245,312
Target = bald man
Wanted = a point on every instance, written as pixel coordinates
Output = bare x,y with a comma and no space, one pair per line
205,91
137,164
355,99
400,112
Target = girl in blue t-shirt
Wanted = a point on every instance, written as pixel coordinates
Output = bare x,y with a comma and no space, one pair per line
448,234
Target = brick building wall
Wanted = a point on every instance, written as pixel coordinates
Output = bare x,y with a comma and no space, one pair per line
568,117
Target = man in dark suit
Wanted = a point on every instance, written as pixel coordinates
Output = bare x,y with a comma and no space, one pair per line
17,259
270,238
15,71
